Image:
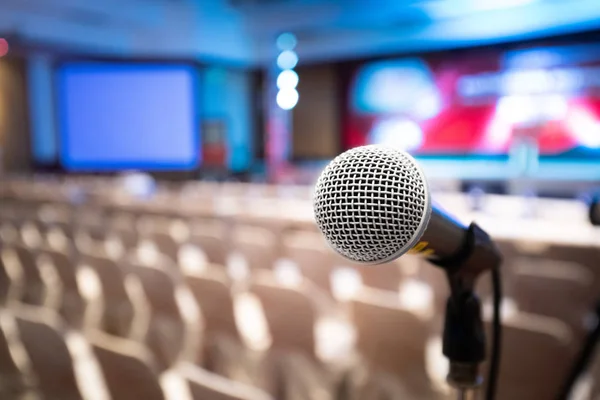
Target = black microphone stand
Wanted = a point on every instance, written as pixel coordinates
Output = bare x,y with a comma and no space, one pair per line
464,334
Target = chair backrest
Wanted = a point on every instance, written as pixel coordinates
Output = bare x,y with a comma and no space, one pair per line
34,288
11,376
213,295
71,305
314,259
6,279
257,245
42,335
555,290
291,316
204,385
118,308
537,353
584,256
128,368
212,245
392,340
166,334
386,276
166,244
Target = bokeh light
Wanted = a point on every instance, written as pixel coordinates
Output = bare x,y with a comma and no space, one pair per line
287,98
288,59
287,79
286,41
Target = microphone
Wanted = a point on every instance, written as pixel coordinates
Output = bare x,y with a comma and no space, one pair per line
373,204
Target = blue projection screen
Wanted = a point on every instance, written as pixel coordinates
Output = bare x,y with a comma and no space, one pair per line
116,116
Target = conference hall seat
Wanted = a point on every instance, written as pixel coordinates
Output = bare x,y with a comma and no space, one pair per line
315,260
388,276
173,329
537,352
14,382
131,372
70,302
393,341
123,227
10,276
9,234
43,337
258,246
310,347
119,309
28,280
211,237
204,385
568,254
32,234
227,350
555,289
128,368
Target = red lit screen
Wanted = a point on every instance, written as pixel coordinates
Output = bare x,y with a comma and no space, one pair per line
480,103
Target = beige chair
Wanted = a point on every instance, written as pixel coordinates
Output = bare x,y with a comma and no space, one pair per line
204,385
386,276
213,294
312,256
555,289
212,244
577,256
71,305
393,340
8,277
118,305
295,367
166,334
128,368
537,353
166,244
43,337
14,382
257,245
32,287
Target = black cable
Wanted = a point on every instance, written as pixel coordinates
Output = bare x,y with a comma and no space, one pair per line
494,370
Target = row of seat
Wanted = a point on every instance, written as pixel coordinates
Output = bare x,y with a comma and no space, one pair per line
555,334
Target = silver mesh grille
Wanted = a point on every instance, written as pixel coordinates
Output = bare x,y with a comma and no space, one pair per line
372,203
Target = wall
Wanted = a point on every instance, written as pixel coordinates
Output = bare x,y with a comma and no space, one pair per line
44,140
226,94
316,118
14,129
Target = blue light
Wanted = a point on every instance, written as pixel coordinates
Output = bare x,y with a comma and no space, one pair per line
286,41
287,79
287,59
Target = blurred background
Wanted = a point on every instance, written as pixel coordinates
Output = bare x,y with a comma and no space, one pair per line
157,162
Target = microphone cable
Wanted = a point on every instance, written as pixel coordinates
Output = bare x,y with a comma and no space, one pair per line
494,370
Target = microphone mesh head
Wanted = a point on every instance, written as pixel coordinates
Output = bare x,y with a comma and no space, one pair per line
372,204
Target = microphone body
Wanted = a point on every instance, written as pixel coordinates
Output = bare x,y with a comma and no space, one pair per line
443,237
